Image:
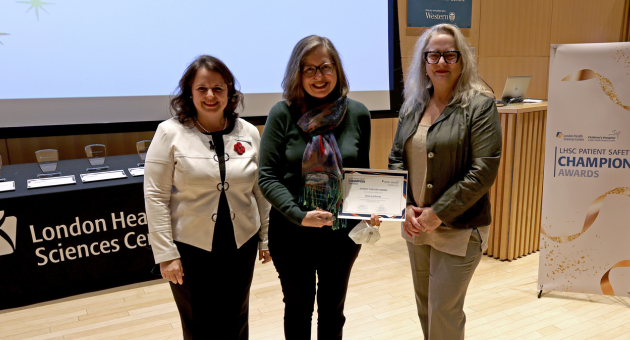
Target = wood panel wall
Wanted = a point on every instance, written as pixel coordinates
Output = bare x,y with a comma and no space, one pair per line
383,131
22,150
4,153
601,21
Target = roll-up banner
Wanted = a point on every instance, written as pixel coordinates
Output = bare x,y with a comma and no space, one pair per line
585,226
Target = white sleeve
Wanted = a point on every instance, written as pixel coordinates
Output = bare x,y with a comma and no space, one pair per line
158,182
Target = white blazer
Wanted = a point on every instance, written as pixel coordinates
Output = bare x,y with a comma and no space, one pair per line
182,188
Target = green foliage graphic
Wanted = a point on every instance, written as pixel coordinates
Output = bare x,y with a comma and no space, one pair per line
37,4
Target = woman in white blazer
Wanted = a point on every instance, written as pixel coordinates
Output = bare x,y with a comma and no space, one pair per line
205,210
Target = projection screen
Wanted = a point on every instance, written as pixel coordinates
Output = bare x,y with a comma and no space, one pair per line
88,62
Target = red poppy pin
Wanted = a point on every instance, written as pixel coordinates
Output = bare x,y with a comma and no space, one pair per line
239,148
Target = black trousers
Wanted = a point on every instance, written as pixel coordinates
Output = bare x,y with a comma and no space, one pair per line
312,262
213,301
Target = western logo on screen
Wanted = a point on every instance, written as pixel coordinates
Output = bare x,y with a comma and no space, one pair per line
559,134
8,227
451,16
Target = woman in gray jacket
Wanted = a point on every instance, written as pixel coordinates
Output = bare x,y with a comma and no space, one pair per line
449,139
206,213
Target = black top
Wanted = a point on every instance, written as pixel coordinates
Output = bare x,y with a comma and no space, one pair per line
223,226
282,149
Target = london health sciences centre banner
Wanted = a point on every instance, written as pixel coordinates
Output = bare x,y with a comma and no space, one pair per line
585,225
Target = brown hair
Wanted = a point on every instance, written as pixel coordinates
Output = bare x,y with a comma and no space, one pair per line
293,91
182,105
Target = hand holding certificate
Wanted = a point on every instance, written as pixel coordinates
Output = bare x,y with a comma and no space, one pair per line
380,192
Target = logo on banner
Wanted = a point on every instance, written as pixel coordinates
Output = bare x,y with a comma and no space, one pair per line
451,16
611,137
8,228
572,137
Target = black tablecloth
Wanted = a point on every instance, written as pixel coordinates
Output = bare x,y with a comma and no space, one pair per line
66,240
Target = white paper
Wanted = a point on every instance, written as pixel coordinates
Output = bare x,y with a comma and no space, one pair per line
136,171
7,186
532,100
373,192
50,182
103,176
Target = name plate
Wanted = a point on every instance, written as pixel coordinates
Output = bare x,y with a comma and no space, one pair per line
135,172
380,192
50,182
7,186
103,176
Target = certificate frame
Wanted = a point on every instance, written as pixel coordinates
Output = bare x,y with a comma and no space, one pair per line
397,209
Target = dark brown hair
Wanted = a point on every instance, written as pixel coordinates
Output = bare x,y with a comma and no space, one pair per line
293,91
182,105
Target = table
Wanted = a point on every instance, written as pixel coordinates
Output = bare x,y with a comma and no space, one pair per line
72,239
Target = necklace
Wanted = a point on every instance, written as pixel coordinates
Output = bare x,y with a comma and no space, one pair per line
204,129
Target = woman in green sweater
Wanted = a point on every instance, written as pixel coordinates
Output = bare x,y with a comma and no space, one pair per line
308,138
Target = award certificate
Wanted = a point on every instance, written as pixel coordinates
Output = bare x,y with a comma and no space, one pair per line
381,192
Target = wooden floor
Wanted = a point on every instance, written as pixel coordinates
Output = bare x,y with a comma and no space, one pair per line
501,304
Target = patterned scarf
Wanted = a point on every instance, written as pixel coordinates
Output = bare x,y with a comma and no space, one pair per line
322,163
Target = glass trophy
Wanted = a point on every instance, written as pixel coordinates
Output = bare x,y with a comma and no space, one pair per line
96,156
47,160
1,179
142,147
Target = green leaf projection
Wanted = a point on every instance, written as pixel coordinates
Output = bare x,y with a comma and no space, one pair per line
37,4
3,34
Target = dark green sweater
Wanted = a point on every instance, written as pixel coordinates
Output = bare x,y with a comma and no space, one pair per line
282,147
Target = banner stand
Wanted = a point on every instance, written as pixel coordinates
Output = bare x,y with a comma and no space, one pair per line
586,190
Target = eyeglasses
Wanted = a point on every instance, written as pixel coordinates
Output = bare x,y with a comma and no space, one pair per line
450,57
311,71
